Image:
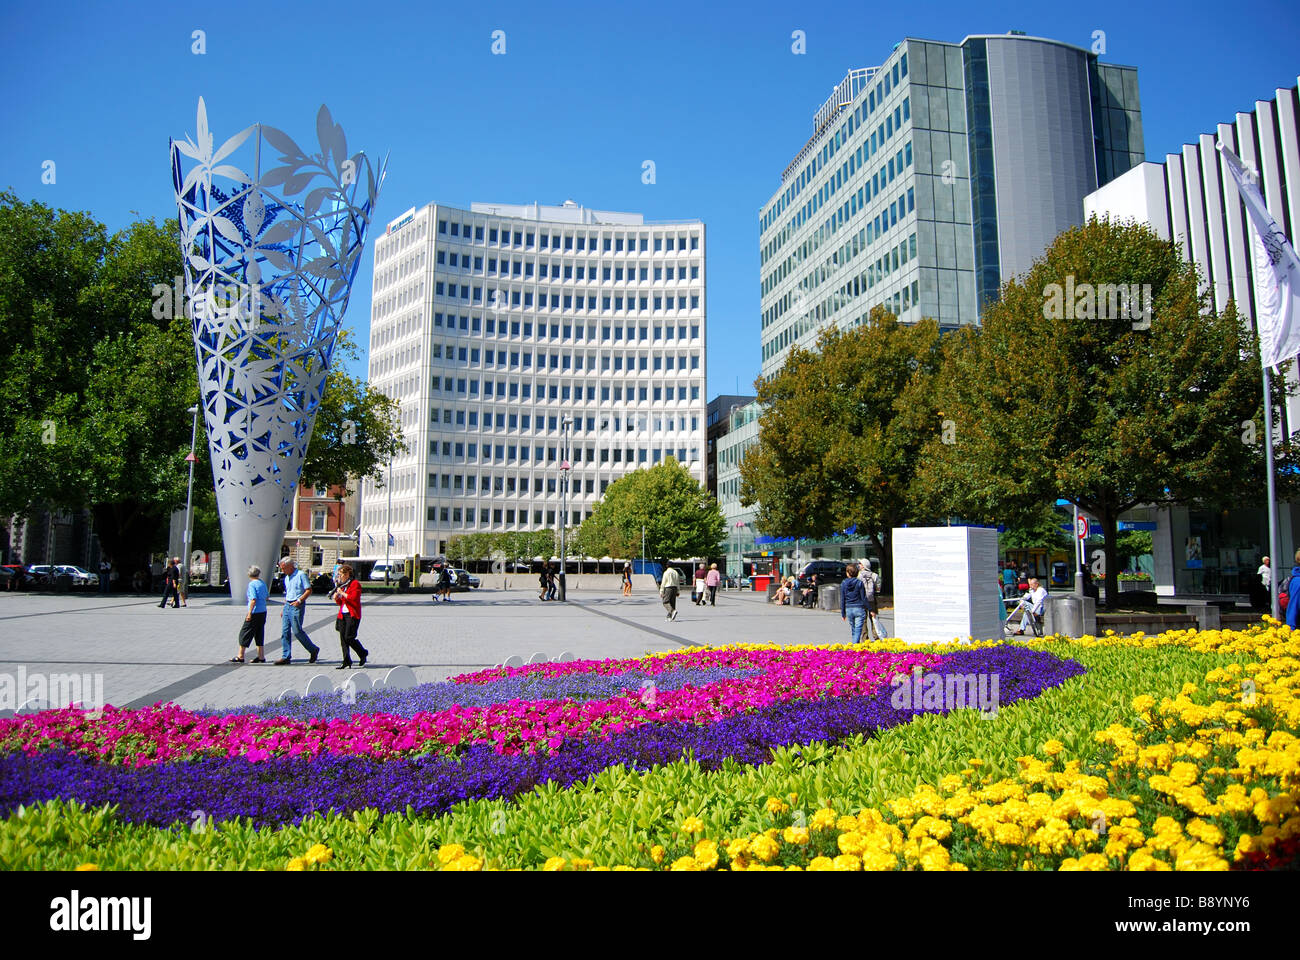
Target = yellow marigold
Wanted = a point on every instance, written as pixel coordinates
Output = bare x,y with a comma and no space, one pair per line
796,834
82,868
297,863
850,842
934,858
580,863
554,863
823,819
847,862
684,863
1183,773
1089,861
775,805
879,860
706,854
846,823
692,825
319,853
1008,834
975,762
449,852
1053,747
764,848
1205,832
466,863
821,863
737,848
657,853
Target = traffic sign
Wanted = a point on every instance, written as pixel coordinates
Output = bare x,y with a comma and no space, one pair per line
1082,530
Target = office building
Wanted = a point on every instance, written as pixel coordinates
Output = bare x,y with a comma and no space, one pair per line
717,423
509,331
931,179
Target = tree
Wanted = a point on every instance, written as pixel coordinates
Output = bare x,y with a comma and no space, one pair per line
681,518
841,433
1041,529
1079,401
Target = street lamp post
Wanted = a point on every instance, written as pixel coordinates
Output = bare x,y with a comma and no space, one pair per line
189,496
565,422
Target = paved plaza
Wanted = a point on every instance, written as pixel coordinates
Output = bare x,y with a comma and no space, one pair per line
146,655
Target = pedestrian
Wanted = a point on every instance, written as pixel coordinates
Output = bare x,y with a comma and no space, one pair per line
1008,580
1293,593
297,588
668,586
253,629
552,583
171,581
853,603
697,585
627,579
183,581
871,591
347,594
711,580
105,575
444,583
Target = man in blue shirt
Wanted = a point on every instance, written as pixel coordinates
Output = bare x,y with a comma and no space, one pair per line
297,588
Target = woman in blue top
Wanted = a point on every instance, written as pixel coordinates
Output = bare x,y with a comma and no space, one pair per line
1293,588
254,627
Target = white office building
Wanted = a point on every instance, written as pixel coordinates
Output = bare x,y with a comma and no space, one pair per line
506,331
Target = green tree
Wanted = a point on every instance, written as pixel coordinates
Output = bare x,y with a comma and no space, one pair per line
681,518
1040,529
841,433
1097,408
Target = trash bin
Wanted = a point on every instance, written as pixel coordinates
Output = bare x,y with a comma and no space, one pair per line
828,597
62,583
770,589
1069,615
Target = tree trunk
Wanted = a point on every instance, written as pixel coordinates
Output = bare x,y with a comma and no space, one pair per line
1110,530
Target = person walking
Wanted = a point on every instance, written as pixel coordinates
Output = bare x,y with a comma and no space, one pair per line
444,584
347,594
697,586
297,588
871,591
543,582
627,579
853,603
253,629
1008,580
171,580
668,587
552,583
711,580
182,581
105,575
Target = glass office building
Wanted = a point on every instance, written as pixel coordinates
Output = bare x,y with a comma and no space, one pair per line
932,178
495,326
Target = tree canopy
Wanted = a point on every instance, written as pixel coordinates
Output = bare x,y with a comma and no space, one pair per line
681,518
841,433
1084,403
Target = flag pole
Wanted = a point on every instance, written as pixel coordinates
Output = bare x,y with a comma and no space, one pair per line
1275,560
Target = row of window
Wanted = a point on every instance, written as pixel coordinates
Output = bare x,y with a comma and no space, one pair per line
526,269
875,98
564,331
461,451
465,516
544,240
561,361
503,300
904,299
469,419
460,386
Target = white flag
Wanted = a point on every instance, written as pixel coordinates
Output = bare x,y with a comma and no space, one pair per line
1277,273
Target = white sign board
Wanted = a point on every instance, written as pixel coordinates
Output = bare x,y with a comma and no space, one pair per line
946,584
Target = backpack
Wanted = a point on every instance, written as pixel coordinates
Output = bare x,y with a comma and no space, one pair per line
869,586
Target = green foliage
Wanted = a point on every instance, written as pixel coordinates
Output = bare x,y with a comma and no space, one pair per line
1042,529
1134,543
1093,410
615,815
680,517
842,430
519,545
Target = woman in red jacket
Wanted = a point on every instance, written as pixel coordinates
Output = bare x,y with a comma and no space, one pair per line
347,594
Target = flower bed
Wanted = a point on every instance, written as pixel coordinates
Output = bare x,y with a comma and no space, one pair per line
1105,753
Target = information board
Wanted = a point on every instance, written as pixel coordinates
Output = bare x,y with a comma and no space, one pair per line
946,584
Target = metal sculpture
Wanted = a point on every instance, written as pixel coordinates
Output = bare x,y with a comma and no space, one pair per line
270,256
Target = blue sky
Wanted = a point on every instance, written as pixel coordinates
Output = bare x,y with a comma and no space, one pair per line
584,94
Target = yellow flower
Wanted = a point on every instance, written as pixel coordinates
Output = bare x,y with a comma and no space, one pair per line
847,862
657,853
823,819
1053,747
466,863
775,805
319,853
764,848
692,825
86,866
297,863
821,863
684,863
579,863
449,852
706,854
796,835
557,863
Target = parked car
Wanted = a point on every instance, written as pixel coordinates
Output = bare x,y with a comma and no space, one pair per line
13,576
463,580
826,571
81,577
39,573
